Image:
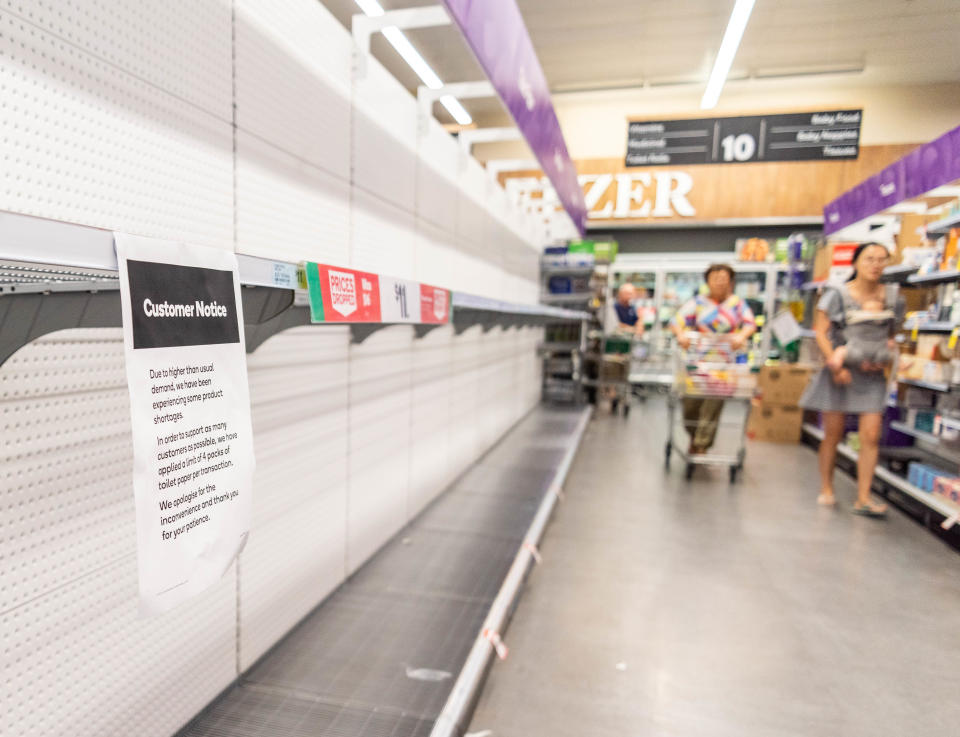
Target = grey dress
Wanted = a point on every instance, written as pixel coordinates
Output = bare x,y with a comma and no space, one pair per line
867,392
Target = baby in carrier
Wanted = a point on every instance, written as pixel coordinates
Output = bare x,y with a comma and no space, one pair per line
867,332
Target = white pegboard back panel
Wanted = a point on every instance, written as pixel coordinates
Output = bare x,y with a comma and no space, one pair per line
81,661
471,211
298,396
432,259
379,437
73,641
191,38
384,237
289,566
293,63
430,420
66,505
88,143
384,137
438,163
288,209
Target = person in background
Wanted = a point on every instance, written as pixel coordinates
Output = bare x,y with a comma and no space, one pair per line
840,389
627,318
720,311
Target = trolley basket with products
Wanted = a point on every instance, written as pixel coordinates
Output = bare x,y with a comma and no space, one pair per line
709,402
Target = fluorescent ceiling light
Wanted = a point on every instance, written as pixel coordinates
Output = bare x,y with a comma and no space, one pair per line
410,55
370,7
418,64
728,50
458,111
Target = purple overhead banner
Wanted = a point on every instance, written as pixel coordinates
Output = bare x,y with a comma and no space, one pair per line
495,30
926,167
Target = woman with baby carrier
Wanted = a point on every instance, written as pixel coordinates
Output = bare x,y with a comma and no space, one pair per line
854,326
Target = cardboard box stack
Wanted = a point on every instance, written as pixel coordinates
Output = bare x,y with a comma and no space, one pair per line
775,415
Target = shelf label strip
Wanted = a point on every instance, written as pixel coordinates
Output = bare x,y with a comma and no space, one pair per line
348,296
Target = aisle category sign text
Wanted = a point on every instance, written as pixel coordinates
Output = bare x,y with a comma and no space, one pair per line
349,296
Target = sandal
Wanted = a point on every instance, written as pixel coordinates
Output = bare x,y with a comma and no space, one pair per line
877,511
827,500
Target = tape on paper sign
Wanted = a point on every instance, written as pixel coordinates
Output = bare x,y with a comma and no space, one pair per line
950,521
494,639
186,369
532,549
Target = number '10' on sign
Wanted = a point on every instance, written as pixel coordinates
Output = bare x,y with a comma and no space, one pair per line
739,148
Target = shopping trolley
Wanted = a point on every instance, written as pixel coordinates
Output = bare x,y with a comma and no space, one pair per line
652,364
614,370
710,378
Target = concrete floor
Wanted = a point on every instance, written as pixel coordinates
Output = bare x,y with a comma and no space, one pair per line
685,609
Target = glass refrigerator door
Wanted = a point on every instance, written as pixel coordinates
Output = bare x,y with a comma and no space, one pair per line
681,286
751,286
645,283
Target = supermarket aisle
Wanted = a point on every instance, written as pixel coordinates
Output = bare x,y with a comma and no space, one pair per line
705,609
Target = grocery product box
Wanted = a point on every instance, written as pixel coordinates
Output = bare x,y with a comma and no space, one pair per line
775,423
605,250
822,262
922,369
947,487
922,476
841,262
783,384
752,249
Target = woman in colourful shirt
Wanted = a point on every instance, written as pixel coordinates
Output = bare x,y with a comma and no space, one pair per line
719,311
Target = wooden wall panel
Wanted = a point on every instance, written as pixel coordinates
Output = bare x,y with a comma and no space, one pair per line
754,190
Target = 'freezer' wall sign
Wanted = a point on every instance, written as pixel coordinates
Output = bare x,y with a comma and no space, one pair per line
190,414
832,134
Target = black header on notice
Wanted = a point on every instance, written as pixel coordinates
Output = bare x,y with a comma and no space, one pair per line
176,306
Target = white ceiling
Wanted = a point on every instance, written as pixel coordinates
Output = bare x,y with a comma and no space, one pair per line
597,44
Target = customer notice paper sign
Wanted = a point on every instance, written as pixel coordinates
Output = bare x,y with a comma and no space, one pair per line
190,412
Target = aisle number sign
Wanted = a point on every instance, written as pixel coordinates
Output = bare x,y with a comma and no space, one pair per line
825,135
349,296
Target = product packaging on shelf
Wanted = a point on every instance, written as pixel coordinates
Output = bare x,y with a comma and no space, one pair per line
947,487
752,249
841,262
922,475
822,262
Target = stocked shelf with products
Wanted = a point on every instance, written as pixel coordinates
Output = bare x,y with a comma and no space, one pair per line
928,326
571,298
933,444
930,502
568,270
943,226
935,386
937,277
572,275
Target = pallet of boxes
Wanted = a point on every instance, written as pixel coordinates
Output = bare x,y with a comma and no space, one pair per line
775,414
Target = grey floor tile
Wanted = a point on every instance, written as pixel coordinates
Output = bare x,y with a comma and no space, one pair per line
733,609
